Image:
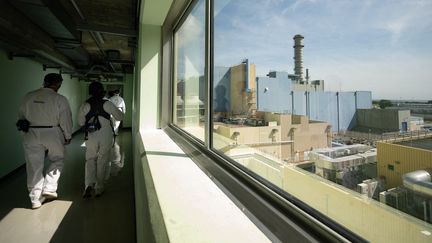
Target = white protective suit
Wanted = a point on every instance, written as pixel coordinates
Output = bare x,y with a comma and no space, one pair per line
98,145
116,162
118,101
117,158
45,107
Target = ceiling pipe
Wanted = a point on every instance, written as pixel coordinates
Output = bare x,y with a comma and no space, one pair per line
100,37
95,35
53,59
112,67
77,9
98,44
95,66
77,73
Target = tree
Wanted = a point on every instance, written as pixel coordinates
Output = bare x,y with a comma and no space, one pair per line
384,103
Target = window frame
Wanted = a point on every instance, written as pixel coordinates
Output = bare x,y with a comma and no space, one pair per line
221,168
187,9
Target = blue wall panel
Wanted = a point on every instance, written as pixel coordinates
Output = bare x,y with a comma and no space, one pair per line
299,101
364,99
314,106
273,94
222,89
323,107
347,110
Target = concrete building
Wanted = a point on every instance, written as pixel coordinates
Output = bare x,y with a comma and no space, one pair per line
384,120
423,110
283,136
237,93
235,89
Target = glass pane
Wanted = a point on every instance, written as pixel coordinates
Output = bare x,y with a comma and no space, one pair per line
331,101
189,52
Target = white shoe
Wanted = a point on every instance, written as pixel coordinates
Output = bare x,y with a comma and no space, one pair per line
50,195
38,203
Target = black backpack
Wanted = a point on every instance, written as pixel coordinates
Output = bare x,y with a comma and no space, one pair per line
92,123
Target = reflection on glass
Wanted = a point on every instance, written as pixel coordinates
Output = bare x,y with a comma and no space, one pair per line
189,51
312,101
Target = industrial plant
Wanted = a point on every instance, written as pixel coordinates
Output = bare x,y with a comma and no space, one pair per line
347,165
272,123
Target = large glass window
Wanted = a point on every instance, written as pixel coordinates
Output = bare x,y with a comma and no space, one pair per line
294,90
328,100
189,67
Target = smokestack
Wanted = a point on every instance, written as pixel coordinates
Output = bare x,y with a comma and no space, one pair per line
298,56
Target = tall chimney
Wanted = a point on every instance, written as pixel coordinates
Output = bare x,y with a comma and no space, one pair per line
298,56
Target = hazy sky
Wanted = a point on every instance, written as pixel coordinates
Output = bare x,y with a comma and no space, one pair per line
384,46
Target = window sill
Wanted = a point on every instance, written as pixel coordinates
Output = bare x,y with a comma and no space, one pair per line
184,202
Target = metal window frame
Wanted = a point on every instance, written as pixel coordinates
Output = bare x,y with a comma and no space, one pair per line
256,196
186,9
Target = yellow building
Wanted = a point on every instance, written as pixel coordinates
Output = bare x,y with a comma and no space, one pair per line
397,158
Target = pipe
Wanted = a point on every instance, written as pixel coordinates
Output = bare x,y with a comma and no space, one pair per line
97,37
77,9
419,181
95,66
52,58
98,44
247,88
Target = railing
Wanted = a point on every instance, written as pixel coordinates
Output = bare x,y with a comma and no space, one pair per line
389,137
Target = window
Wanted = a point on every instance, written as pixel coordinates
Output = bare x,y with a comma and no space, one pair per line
189,67
297,91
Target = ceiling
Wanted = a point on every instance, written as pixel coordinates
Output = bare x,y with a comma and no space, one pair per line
91,40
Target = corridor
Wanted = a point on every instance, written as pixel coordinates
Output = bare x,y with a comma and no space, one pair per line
70,218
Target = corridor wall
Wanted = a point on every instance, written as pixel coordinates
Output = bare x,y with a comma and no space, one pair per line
17,77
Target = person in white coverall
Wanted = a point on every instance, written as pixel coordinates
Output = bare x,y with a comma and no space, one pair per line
118,101
117,158
100,141
50,128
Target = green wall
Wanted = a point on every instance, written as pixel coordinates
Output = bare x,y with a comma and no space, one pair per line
149,76
17,77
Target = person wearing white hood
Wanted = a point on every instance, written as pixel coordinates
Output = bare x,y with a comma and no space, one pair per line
117,157
118,101
46,119
95,116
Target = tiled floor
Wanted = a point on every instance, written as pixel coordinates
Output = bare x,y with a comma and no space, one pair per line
109,218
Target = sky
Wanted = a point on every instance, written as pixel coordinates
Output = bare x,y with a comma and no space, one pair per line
383,46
